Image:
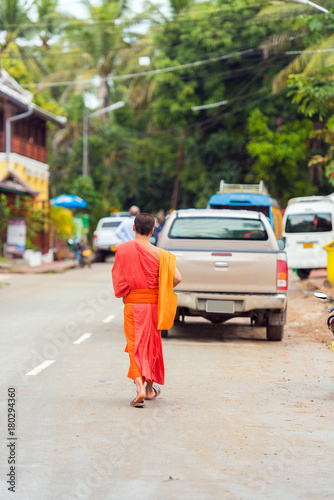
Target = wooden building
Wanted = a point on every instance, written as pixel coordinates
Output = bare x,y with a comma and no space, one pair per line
23,140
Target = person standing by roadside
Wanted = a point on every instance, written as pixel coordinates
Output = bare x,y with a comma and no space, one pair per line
144,276
125,230
158,226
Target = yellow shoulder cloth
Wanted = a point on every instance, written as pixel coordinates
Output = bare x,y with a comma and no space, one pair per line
167,301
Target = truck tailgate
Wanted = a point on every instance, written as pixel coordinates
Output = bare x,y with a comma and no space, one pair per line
108,237
227,271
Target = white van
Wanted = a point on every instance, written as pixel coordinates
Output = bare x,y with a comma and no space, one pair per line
308,225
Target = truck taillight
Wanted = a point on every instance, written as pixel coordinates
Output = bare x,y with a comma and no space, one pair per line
95,236
282,275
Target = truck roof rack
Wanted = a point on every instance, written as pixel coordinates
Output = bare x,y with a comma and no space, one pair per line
307,199
242,188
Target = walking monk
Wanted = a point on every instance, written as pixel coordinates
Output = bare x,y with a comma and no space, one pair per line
144,276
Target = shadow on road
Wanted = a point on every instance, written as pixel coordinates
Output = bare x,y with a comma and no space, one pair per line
201,330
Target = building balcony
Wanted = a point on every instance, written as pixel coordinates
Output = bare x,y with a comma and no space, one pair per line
24,148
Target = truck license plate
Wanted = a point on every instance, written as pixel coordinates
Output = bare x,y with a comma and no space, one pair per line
308,245
220,306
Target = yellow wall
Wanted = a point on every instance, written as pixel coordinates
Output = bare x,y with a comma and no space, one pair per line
2,169
29,171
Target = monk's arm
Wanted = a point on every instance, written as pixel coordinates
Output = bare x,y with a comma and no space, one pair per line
121,288
177,277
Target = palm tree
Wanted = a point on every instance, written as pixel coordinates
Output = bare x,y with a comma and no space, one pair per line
90,50
178,6
16,25
14,20
49,20
309,60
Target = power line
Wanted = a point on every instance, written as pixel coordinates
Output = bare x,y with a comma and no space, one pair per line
168,69
315,51
188,17
153,71
209,106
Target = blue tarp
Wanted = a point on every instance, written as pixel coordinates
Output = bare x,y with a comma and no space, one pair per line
242,199
68,201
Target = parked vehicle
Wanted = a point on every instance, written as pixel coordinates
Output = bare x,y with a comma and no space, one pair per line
232,265
248,197
105,239
87,256
82,252
330,320
308,227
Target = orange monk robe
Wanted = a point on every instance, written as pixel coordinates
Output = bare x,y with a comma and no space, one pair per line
136,275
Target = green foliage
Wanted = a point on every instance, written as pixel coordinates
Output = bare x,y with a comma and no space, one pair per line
318,26
36,215
37,221
134,154
178,6
17,27
48,18
329,170
280,155
14,19
16,68
44,101
324,162
156,145
181,41
313,94
62,219
4,215
84,187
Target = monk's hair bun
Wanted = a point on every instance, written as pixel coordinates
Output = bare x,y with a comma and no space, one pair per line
144,223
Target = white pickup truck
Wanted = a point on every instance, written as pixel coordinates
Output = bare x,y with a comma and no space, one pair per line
104,238
231,265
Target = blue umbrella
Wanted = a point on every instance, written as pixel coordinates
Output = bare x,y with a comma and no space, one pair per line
69,201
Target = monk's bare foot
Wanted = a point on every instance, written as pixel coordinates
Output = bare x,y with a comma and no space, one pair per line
140,396
150,392
140,390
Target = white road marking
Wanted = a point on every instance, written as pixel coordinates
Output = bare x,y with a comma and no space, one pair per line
83,337
108,318
41,367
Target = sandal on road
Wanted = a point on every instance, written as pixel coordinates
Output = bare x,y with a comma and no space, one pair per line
137,404
157,391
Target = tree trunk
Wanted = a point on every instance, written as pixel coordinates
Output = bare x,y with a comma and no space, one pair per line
177,183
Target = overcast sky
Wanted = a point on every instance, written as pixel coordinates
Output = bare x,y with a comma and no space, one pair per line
76,8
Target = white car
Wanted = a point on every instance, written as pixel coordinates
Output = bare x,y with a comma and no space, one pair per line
308,226
105,239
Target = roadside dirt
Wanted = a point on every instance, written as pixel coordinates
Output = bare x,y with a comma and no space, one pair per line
307,316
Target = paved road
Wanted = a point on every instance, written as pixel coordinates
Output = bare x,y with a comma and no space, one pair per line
239,418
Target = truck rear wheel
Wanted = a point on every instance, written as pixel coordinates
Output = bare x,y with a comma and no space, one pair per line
100,256
275,332
303,274
164,333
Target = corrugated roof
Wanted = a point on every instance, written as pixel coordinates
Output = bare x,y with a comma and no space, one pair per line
14,92
14,184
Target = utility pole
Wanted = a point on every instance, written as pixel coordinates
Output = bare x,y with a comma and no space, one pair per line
87,116
177,182
85,144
